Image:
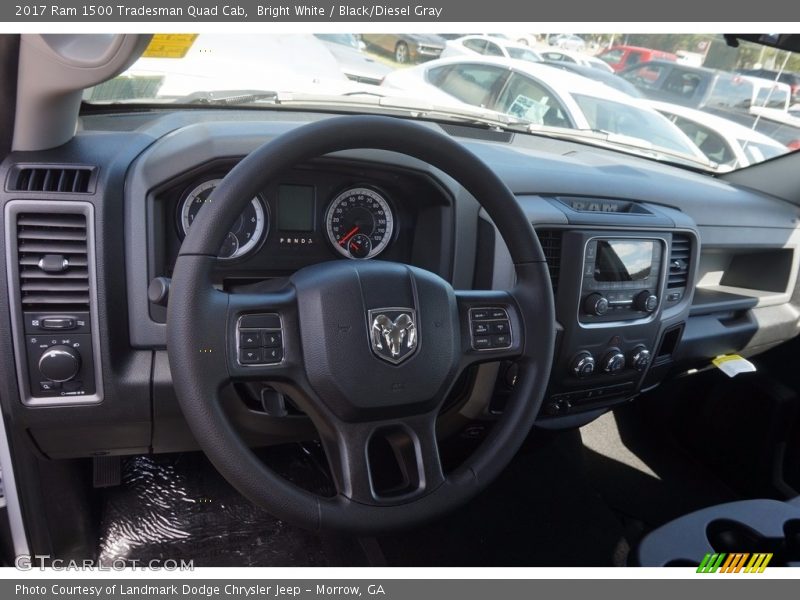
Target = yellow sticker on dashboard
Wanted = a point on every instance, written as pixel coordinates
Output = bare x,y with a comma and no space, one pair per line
169,45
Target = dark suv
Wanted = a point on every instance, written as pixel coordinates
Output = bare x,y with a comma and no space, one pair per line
695,87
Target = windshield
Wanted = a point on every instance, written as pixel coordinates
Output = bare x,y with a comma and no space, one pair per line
473,81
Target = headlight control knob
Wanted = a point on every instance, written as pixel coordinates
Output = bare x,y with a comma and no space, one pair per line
60,363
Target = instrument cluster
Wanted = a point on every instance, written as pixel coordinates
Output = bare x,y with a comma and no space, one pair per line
358,222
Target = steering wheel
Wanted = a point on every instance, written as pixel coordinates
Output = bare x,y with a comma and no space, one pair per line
368,349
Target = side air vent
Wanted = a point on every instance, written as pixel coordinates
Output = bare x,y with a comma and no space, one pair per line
679,261
73,180
53,266
550,240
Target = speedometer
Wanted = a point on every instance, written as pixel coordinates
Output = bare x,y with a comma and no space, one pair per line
359,223
244,235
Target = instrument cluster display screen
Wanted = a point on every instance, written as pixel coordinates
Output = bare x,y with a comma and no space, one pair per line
296,208
623,260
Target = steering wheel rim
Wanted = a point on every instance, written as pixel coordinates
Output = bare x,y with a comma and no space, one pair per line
202,340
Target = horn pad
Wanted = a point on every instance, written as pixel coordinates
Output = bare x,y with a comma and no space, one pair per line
379,339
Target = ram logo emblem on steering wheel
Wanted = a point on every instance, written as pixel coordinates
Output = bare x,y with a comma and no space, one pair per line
393,333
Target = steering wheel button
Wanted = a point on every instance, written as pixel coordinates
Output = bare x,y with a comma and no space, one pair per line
273,355
500,327
480,314
501,341
482,342
480,328
271,339
249,339
251,356
498,313
266,321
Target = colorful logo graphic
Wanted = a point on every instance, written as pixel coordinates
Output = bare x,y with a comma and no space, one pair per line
737,562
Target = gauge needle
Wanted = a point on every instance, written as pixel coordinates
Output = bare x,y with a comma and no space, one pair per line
348,235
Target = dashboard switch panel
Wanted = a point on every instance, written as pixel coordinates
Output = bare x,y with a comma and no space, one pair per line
259,339
490,327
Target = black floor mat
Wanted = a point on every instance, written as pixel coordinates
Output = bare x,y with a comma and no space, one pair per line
642,473
179,507
540,512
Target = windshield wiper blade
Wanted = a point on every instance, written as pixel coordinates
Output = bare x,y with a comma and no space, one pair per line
227,97
407,106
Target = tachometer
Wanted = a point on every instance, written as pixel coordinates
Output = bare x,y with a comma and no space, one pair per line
359,223
244,235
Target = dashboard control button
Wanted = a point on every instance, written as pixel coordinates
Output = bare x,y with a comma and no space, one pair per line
249,339
582,364
60,363
58,323
272,355
501,341
480,328
596,304
645,301
500,327
271,339
613,361
266,321
251,356
640,358
49,386
481,342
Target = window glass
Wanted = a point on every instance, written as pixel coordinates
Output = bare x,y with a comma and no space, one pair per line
525,98
646,76
473,84
476,45
710,142
493,49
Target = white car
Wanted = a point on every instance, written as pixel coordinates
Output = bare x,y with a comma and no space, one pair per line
768,93
472,45
728,144
543,96
577,58
525,39
568,41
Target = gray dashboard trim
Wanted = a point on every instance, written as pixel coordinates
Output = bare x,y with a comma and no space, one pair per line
12,209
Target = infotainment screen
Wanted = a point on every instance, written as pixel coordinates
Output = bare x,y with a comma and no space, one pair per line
623,260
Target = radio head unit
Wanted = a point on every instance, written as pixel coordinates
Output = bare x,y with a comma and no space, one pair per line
621,279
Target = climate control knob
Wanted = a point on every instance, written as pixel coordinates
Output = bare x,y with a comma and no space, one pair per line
596,304
645,301
613,361
582,364
640,358
60,363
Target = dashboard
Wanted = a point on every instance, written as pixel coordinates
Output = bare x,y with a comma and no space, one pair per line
654,270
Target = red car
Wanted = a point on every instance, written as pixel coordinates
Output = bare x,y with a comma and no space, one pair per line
622,57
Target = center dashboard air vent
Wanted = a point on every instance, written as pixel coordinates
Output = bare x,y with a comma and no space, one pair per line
46,178
679,261
550,239
53,265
